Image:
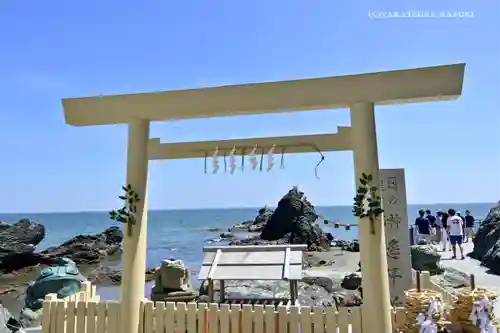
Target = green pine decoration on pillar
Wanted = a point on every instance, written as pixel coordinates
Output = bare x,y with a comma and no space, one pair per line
367,202
127,214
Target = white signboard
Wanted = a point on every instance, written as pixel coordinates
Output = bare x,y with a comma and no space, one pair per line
393,193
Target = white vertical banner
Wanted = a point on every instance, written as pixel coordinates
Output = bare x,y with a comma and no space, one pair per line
393,193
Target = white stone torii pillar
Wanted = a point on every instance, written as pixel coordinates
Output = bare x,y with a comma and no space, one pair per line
375,282
135,246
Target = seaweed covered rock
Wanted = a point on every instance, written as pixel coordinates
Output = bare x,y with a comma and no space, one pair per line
425,258
294,220
487,241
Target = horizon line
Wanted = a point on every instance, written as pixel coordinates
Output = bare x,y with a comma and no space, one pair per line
239,208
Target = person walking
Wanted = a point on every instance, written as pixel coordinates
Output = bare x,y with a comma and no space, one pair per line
438,225
456,232
424,227
434,231
469,226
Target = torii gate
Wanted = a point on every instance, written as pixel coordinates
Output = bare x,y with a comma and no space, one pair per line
359,93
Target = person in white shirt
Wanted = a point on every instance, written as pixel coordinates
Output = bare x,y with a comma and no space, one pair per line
456,232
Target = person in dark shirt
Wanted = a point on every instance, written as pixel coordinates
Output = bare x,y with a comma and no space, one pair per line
435,233
424,227
469,226
430,217
444,220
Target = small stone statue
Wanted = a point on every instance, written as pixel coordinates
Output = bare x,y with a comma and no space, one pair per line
172,283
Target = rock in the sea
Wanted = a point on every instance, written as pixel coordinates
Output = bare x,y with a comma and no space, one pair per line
227,235
257,224
294,220
24,231
8,323
347,245
425,258
172,283
241,226
292,211
17,242
256,240
487,241
88,249
261,220
82,249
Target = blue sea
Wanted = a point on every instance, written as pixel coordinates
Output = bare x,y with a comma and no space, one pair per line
183,233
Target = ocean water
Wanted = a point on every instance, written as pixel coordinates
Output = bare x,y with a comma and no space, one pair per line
183,233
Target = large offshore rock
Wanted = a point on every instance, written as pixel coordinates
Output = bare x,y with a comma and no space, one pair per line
487,241
294,219
425,258
172,282
17,242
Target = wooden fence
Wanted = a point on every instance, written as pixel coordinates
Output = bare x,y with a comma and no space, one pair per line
52,306
84,313
92,316
426,283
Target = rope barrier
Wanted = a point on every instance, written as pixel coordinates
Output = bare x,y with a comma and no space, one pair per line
336,224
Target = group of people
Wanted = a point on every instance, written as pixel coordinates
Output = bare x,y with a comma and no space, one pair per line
445,227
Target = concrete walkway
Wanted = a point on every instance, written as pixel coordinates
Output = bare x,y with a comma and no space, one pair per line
472,266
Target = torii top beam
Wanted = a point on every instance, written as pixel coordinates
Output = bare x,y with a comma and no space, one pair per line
390,87
342,140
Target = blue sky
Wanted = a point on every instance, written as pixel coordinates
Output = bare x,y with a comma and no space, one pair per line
56,49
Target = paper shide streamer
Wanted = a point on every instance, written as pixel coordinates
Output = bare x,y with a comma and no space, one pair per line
426,321
253,158
215,162
481,316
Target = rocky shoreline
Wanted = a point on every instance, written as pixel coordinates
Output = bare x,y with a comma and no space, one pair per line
20,263
332,274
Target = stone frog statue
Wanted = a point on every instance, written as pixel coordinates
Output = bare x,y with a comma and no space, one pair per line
63,279
172,282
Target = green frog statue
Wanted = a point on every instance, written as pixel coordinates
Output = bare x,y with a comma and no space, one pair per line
63,279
